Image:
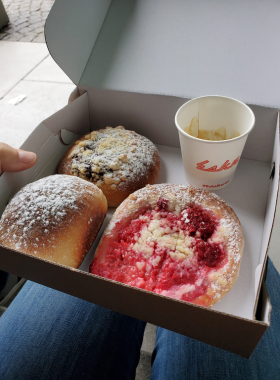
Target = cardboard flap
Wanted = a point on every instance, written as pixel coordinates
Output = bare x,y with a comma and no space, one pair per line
264,309
188,49
270,211
71,30
74,117
180,48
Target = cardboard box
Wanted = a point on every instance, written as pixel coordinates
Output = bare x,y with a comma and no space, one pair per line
135,63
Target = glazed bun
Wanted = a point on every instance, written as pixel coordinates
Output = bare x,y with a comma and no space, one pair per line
56,218
116,160
174,240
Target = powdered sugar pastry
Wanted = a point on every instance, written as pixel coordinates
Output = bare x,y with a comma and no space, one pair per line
39,207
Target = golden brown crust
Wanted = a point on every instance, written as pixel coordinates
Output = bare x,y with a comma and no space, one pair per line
118,161
180,197
56,218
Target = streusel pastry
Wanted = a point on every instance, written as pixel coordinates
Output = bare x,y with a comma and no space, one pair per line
116,160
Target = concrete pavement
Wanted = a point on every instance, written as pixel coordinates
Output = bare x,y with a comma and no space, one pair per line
27,20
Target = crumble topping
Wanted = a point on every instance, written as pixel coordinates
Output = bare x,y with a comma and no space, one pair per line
112,156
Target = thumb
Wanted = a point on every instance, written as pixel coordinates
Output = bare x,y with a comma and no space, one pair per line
15,160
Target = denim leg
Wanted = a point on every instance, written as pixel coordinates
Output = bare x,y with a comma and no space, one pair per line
46,334
178,357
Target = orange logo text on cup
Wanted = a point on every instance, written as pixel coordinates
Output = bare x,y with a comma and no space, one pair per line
226,165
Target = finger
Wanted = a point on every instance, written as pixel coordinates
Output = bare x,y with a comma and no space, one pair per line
15,160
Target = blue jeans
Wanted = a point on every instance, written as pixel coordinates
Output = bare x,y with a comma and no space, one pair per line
45,334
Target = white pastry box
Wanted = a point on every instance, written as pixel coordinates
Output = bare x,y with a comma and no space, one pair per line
135,63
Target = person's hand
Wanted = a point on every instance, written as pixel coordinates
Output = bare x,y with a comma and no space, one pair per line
15,160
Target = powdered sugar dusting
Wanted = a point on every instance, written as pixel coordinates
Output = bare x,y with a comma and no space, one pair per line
38,209
112,156
230,231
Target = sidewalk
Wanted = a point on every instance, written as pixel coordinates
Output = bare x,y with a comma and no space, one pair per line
27,20
27,68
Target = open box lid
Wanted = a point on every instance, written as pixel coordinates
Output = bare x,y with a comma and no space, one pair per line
180,48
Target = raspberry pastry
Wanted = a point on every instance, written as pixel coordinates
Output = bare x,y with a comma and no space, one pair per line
56,218
118,161
174,240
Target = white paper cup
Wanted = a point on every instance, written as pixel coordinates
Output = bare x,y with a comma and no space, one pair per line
212,164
